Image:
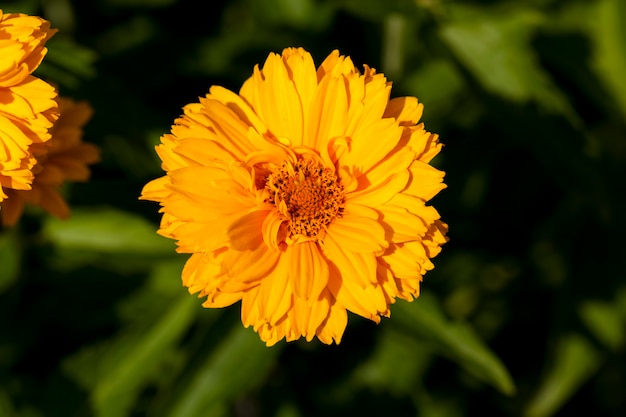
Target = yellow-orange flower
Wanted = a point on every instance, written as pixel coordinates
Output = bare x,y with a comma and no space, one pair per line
65,157
27,104
304,196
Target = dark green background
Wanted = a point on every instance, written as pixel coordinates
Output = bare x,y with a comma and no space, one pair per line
525,312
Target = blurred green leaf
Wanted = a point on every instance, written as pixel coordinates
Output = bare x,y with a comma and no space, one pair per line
288,410
620,302
137,163
454,340
238,364
6,405
10,256
604,321
550,263
397,364
129,374
294,13
216,55
21,6
67,62
106,230
377,10
163,284
8,409
437,84
572,363
439,406
116,370
140,3
607,24
127,35
495,47
60,13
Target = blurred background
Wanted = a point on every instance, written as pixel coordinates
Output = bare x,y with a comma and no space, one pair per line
525,311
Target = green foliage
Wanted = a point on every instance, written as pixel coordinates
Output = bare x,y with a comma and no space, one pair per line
456,341
607,30
574,361
239,363
105,230
9,259
603,319
97,235
67,62
524,312
116,370
495,47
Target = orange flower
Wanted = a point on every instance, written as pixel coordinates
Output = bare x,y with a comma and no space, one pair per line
27,104
304,196
64,158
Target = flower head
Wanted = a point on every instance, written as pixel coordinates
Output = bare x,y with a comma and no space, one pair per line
28,105
304,196
65,157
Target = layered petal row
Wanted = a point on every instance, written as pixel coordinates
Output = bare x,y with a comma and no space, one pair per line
28,106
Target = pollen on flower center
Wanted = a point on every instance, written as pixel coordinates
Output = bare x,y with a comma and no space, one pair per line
308,194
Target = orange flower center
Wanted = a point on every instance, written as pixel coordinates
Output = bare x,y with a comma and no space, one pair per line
308,194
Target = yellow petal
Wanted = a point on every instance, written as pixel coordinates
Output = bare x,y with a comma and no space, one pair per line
425,144
230,131
357,267
199,272
246,268
308,270
275,293
170,160
318,313
387,283
367,301
328,113
358,230
425,181
274,230
334,325
302,72
250,315
435,237
406,110
391,165
380,193
400,224
245,233
425,215
376,96
371,142
13,144
156,190
238,106
280,102
211,189
408,260
197,236
335,65
202,150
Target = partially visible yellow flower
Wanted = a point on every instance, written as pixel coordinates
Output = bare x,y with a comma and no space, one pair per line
304,196
65,157
27,104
